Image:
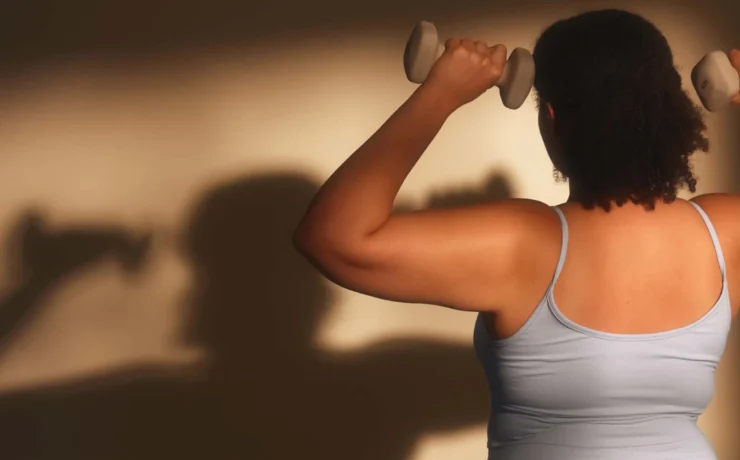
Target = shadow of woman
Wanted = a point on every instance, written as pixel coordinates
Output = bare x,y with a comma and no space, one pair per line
267,391
258,309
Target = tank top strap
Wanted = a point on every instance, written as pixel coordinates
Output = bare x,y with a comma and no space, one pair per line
564,244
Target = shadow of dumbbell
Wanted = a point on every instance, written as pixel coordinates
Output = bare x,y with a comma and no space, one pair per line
40,251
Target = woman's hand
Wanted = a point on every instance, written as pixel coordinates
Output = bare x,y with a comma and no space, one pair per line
466,70
735,59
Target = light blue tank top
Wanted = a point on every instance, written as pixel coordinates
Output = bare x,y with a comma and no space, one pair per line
563,391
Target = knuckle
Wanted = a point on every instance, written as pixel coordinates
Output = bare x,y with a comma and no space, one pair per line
460,51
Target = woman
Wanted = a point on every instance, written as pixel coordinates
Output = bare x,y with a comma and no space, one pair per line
601,321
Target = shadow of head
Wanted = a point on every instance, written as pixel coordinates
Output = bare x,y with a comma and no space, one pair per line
252,288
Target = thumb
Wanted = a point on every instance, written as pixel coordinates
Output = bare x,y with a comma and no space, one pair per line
498,55
498,59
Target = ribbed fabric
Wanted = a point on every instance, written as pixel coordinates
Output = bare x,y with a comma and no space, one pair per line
563,391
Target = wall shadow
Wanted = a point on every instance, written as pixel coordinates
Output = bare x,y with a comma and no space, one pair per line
496,187
42,258
266,391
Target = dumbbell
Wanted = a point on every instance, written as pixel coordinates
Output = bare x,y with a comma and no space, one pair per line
716,81
424,48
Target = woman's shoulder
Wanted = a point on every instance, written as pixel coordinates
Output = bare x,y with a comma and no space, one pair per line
533,218
537,226
719,203
723,210
527,211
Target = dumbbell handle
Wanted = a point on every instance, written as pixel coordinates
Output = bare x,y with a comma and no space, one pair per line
424,48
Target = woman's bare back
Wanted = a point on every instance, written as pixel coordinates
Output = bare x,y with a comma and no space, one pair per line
631,271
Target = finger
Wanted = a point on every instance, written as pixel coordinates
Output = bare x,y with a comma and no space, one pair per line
452,43
735,59
472,50
481,47
498,54
468,44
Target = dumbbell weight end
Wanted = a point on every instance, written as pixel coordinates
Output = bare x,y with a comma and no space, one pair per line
422,51
715,80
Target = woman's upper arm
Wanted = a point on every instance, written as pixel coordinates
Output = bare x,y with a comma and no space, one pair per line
466,258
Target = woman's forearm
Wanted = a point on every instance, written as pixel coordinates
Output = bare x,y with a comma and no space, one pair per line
358,198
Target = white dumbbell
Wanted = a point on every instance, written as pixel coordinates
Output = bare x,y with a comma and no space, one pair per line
424,48
716,81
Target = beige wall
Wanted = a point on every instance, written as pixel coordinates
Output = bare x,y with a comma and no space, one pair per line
225,343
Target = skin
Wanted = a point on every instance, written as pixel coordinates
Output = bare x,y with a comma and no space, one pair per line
497,258
735,59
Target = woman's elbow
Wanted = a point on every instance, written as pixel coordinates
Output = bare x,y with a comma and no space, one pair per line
314,245
326,253
305,241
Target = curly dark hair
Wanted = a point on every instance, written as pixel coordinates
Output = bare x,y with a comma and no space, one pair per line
624,127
